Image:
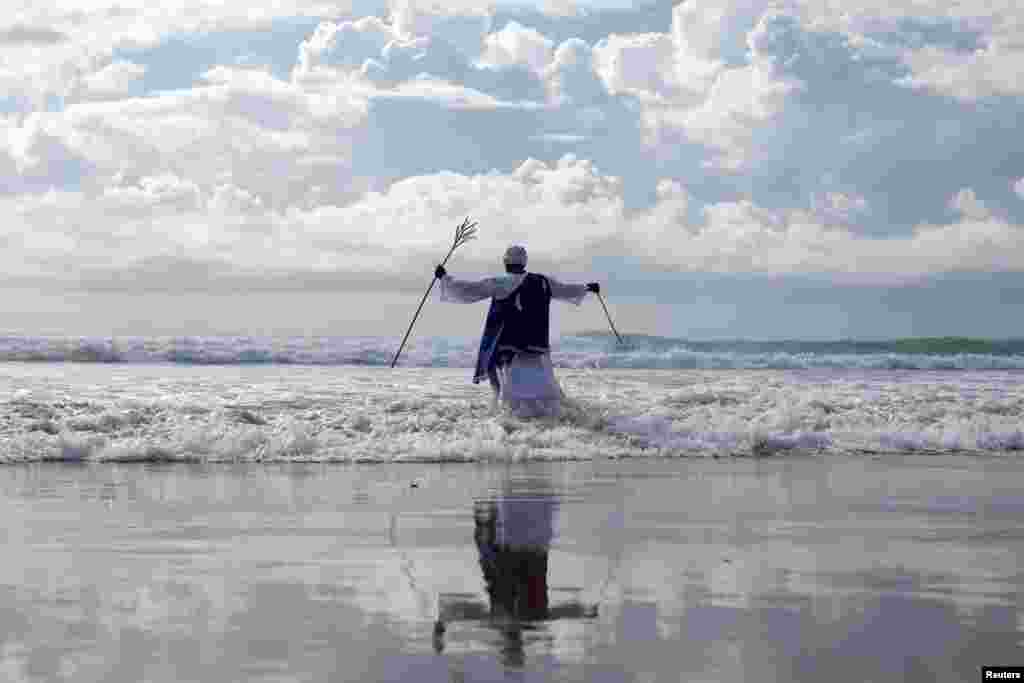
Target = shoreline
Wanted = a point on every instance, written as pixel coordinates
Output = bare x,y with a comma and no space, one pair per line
770,570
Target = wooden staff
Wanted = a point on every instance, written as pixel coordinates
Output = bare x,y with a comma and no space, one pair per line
463,234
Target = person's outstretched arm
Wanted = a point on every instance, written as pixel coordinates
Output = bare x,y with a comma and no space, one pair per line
571,293
465,291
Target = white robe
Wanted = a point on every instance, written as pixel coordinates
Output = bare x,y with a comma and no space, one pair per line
528,383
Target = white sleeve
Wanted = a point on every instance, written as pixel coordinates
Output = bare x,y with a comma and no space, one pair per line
467,291
571,293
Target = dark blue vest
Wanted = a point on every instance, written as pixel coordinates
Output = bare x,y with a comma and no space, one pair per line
519,322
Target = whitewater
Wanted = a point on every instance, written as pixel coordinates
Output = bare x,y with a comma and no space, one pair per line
337,400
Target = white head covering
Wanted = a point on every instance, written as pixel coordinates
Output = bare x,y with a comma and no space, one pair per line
515,256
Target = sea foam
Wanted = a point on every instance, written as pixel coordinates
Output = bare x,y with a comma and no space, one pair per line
88,412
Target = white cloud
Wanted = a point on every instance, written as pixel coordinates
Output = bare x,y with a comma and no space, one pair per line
162,192
570,181
967,73
643,62
571,77
462,24
739,103
563,138
373,58
566,212
516,44
114,79
708,80
452,96
137,222
879,16
733,76
979,244
344,44
30,76
839,207
230,199
139,22
249,171
40,153
711,31
665,226
571,199
561,8
33,78
407,59
244,127
85,35
737,237
989,72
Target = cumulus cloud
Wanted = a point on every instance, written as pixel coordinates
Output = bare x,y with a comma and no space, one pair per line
234,234
715,31
83,36
164,192
176,220
230,199
739,104
459,23
243,127
426,69
778,137
451,97
838,207
967,50
344,44
40,154
708,80
394,61
571,198
737,237
561,8
425,56
114,79
571,76
985,73
640,63
792,102
516,44
567,212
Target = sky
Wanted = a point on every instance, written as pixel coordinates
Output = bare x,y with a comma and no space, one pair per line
724,168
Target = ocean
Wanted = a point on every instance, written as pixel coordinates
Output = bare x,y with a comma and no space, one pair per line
230,399
295,510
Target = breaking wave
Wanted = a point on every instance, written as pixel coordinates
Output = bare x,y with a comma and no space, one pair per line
588,350
90,412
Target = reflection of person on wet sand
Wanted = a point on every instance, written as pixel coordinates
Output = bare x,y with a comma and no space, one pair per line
513,537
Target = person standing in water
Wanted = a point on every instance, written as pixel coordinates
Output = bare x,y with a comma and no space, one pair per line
515,353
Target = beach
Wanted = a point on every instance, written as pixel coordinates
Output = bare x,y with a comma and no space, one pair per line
512,341
289,522
782,569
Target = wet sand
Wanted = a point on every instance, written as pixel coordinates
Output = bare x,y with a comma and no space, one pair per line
889,568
